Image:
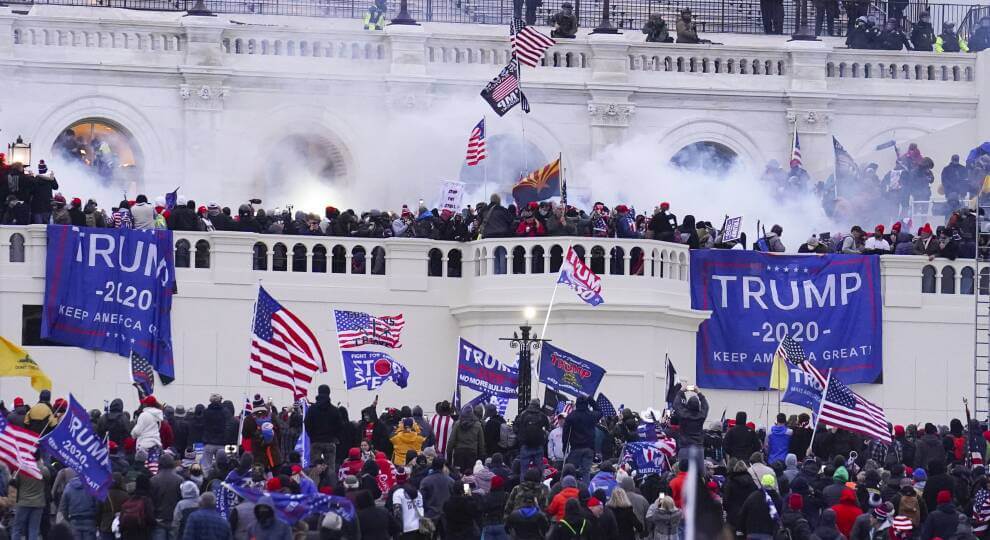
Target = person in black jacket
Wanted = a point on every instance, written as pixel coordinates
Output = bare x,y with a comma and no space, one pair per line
323,427
183,217
579,436
740,442
691,413
492,509
793,518
756,516
497,222
943,521
532,427
41,197
801,437
214,426
892,38
938,481
114,424
923,34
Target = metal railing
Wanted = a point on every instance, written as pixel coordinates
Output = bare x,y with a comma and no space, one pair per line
711,16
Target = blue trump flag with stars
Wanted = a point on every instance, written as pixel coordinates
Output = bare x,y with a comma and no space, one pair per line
302,443
830,304
372,369
605,406
292,508
568,373
111,290
75,443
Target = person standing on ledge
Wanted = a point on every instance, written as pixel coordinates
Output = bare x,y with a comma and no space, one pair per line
564,22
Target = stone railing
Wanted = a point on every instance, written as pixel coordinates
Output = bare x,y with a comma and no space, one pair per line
356,46
158,39
709,60
893,65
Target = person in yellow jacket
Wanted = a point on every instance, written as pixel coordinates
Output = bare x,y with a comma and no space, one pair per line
41,416
374,18
406,438
949,40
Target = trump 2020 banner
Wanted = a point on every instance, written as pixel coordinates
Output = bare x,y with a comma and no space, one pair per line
564,372
75,443
111,290
830,304
478,370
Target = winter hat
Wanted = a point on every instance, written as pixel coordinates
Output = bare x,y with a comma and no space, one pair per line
841,474
896,227
902,524
898,430
18,402
350,481
60,404
920,475
881,512
943,497
926,229
593,502
45,396
401,475
354,453
180,411
189,489
42,167
296,469
769,481
76,201
331,522
257,402
150,401
879,229
664,205
622,209
497,483
568,482
112,446
795,502
323,390
906,483
273,484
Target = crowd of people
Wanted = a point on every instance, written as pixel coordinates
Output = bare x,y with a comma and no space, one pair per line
471,474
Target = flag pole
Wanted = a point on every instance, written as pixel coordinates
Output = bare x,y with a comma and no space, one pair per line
247,376
484,121
814,431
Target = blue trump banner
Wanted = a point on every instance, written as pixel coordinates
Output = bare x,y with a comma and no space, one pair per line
292,508
111,290
830,304
577,276
76,445
564,372
478,370
803,389
370,369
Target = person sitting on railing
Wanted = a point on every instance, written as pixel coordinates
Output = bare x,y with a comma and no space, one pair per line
892,38
656,30
923,34
687,30
813,246
980,40
853,243
949,40
901,239
564,22
17,212
687,233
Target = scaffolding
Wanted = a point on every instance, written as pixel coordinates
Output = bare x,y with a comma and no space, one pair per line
981,316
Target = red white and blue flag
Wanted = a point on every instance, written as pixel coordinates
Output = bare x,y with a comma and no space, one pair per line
845,409
17,448
796,150
356,329
578,276
284,351
476,145
528,44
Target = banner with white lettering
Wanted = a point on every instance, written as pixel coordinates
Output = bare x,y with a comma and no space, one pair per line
478,370
75,443
568,373
830,304
111,290
451,195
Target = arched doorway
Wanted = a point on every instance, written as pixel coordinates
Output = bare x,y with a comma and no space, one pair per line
103,147
510,157
303,167
705,157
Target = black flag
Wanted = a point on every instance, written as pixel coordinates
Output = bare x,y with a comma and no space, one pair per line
673,387
503,92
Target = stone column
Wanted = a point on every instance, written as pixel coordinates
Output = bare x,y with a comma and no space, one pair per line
204,40
203,95
407,45
809,105
6,32
609,58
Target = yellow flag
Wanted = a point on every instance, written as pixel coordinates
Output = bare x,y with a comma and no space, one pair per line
16,362
986,184
779,372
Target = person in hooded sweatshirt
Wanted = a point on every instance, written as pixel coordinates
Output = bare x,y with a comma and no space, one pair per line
114,424
206,524
928,448
323,424
166,492
80,509
691,413
527,522
41,415
758,515
938,480
778,440
147,429
740,442
425,429
790,468
187,505
826,529
944,520
267,526
467,441
846,512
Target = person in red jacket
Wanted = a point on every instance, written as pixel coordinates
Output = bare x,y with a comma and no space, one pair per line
352,465
677,484
846,512
530,226
569,491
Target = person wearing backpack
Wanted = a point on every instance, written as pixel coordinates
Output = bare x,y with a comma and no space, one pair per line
493,430
41,416
110,507
531,428
137,514
793,524
908,503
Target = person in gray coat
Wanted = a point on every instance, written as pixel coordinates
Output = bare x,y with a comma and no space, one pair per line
186,506
267,526
80,509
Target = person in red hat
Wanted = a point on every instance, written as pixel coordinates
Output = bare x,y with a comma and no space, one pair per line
16,416
926,243
663,223
877,244
147,429
943,521
792,518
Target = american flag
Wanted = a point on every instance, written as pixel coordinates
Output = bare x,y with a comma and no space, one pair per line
356,329
564,407
17,448
442,426
793,353
605,406
151,464
981,511
796,150
142,375
476,145
845,409
284,351
508,85
528,45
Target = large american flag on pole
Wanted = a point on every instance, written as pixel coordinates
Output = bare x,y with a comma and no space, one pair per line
528,44
17,448
284,351
796,150
845,409
356,329
476,145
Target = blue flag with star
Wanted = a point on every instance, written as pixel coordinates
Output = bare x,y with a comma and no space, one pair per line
372,369
829,304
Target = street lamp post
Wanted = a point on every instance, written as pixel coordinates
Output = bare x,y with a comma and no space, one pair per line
19,152
606,26
526,343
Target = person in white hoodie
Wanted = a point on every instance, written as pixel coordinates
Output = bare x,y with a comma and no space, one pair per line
143,214
555,443
146,429
187,505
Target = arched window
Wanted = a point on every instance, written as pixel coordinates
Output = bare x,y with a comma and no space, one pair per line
202,254
518,260
280,257
948,280
260,256
454,263
636,262
182,248
103,147
536,262
298,258
378,261
928,279
499,255
16,248
338,264
358,263
434,265
705,157
319,259
616,260
966,280
556,258
579,251
598,260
